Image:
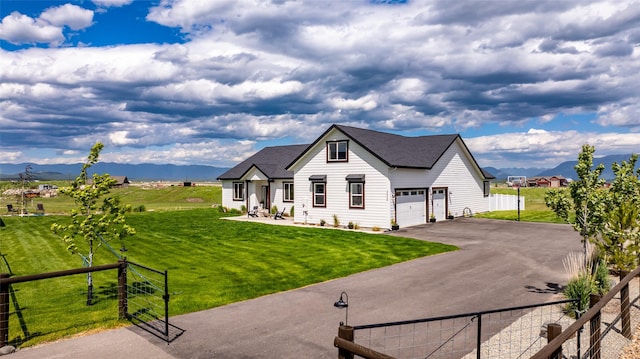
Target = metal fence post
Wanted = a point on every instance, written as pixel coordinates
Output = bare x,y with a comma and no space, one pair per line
122,290
345,332
624,308
4,311
479,338
594,326
553,330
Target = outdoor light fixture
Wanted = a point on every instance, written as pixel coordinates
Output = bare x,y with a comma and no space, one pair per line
343,302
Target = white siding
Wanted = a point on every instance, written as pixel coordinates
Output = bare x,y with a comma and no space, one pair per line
227,196
454,171
377,194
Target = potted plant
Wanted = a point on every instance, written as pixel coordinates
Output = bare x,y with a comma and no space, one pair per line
394,225
322,222
449,215
432,219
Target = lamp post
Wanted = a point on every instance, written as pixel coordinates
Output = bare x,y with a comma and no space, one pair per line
343,302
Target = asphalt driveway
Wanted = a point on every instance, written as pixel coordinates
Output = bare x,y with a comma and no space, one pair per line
499,264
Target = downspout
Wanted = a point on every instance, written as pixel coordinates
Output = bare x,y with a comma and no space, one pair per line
246,195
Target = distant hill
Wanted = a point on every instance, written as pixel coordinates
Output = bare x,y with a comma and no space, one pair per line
139,172
503,173
567,170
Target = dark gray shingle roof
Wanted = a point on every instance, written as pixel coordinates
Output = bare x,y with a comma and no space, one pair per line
393,150
401,151
272,161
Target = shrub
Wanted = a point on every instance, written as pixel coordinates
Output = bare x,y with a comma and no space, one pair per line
274,209
579,288
336,221
375,229
243,209
291,211
350,225
140,208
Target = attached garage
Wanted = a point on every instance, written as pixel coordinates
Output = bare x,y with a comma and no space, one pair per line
411,207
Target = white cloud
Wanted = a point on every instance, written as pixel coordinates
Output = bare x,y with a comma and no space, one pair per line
20,29
75,17
112,3
542,148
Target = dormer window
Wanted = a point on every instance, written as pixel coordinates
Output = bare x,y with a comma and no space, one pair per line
337,151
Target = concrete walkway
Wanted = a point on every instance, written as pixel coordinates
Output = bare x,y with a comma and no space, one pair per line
500,264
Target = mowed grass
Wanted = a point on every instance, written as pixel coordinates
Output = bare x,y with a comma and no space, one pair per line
162,197
210,261
535,208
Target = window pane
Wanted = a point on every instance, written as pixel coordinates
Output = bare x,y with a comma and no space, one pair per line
356,201
332,151
319,199
342,150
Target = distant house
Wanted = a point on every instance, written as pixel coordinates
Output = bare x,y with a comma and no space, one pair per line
362,176
542,181
121,181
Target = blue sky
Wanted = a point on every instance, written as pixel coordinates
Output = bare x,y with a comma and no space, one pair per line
525,83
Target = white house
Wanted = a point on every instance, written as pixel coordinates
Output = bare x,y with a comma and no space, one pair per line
362,176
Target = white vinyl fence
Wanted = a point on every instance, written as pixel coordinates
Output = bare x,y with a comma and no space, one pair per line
505,202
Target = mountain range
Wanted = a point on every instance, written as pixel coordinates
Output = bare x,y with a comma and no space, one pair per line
565,169
138,172
192,173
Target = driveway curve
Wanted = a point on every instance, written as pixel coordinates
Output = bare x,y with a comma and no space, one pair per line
499,264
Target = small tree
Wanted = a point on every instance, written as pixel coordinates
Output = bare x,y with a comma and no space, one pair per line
620,240
585,210
94,222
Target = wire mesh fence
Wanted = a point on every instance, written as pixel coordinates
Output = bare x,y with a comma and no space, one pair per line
148,301
506,333
48,306
45,310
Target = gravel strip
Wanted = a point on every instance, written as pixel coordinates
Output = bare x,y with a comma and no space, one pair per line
531,329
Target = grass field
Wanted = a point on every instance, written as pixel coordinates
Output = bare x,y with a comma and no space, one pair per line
163,197
210,261
535,209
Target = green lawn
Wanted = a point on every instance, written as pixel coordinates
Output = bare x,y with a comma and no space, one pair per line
211,261
158,198
535,208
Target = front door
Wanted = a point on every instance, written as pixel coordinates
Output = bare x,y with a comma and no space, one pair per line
265,197
439,203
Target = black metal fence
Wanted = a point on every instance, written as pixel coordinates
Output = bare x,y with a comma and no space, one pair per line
52,305
516,332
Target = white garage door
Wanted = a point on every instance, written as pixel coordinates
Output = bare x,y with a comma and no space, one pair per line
410,207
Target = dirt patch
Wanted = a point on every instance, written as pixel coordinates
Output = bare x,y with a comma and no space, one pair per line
195,200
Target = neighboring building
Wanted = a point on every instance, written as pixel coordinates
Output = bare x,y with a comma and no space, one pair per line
363,176
553,181
121,181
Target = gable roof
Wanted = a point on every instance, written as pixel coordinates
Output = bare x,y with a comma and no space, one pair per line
272,161
400,151
420,152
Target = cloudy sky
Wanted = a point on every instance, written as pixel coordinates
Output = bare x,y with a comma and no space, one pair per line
525,83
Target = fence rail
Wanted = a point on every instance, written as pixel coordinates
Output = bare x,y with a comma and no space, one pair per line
36,305
606,335
470,335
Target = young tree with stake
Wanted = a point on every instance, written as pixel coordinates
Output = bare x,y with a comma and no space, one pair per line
98,217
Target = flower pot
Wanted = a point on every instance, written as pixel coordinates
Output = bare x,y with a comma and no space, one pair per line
449,217
432,220
395,227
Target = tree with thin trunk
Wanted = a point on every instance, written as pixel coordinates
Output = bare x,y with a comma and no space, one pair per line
584,207
98,217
